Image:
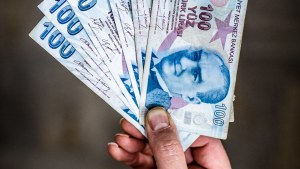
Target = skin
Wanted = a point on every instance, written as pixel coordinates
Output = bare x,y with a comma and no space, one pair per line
189,73
163,150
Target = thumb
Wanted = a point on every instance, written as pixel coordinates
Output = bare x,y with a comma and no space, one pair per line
163,140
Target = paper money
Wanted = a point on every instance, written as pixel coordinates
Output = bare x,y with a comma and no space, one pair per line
191,62
97,19
149,2
46,35
231,119
123,19
189,53
141,20
64,19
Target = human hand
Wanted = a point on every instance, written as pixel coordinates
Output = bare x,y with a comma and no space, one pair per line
163,149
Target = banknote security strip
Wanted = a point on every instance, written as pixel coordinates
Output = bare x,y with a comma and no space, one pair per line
137,54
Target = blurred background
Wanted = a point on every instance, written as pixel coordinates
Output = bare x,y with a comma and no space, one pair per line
49,119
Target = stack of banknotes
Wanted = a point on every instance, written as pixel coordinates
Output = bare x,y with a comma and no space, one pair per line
137,54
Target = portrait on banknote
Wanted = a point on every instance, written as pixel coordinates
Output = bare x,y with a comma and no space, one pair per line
195,75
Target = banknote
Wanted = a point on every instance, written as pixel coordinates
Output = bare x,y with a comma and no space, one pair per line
122,13
98,21
141,20
149,2
47,36
187,138
231,119
191,62
141,14
64,19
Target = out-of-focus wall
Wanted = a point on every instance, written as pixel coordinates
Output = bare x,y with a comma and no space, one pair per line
49,119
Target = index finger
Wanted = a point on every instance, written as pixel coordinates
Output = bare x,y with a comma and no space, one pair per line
131,130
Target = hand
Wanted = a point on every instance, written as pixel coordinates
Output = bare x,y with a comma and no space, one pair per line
163,149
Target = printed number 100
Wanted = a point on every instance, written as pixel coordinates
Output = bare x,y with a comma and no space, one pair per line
205,16
57,40
219,114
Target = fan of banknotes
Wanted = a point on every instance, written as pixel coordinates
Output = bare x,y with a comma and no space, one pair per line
137,54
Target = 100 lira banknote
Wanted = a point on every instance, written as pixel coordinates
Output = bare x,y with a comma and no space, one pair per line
191,62
52,40
141,19
64,19
122,13
98,21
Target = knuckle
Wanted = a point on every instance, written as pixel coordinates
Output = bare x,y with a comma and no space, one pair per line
169,149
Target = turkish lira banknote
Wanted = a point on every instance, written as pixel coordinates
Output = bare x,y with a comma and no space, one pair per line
52,40
122,13
98,21
64,19
191,62
141,19
137,54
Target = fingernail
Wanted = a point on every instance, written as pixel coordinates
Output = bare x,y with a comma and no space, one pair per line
121,120
158,118
122,135
113,144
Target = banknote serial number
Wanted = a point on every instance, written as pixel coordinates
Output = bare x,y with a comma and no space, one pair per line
219,115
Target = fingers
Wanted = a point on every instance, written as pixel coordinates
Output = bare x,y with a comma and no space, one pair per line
135,160
206,150
120,154
147,150
194,166
131,145
130,129
188,156
163,140
201,142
